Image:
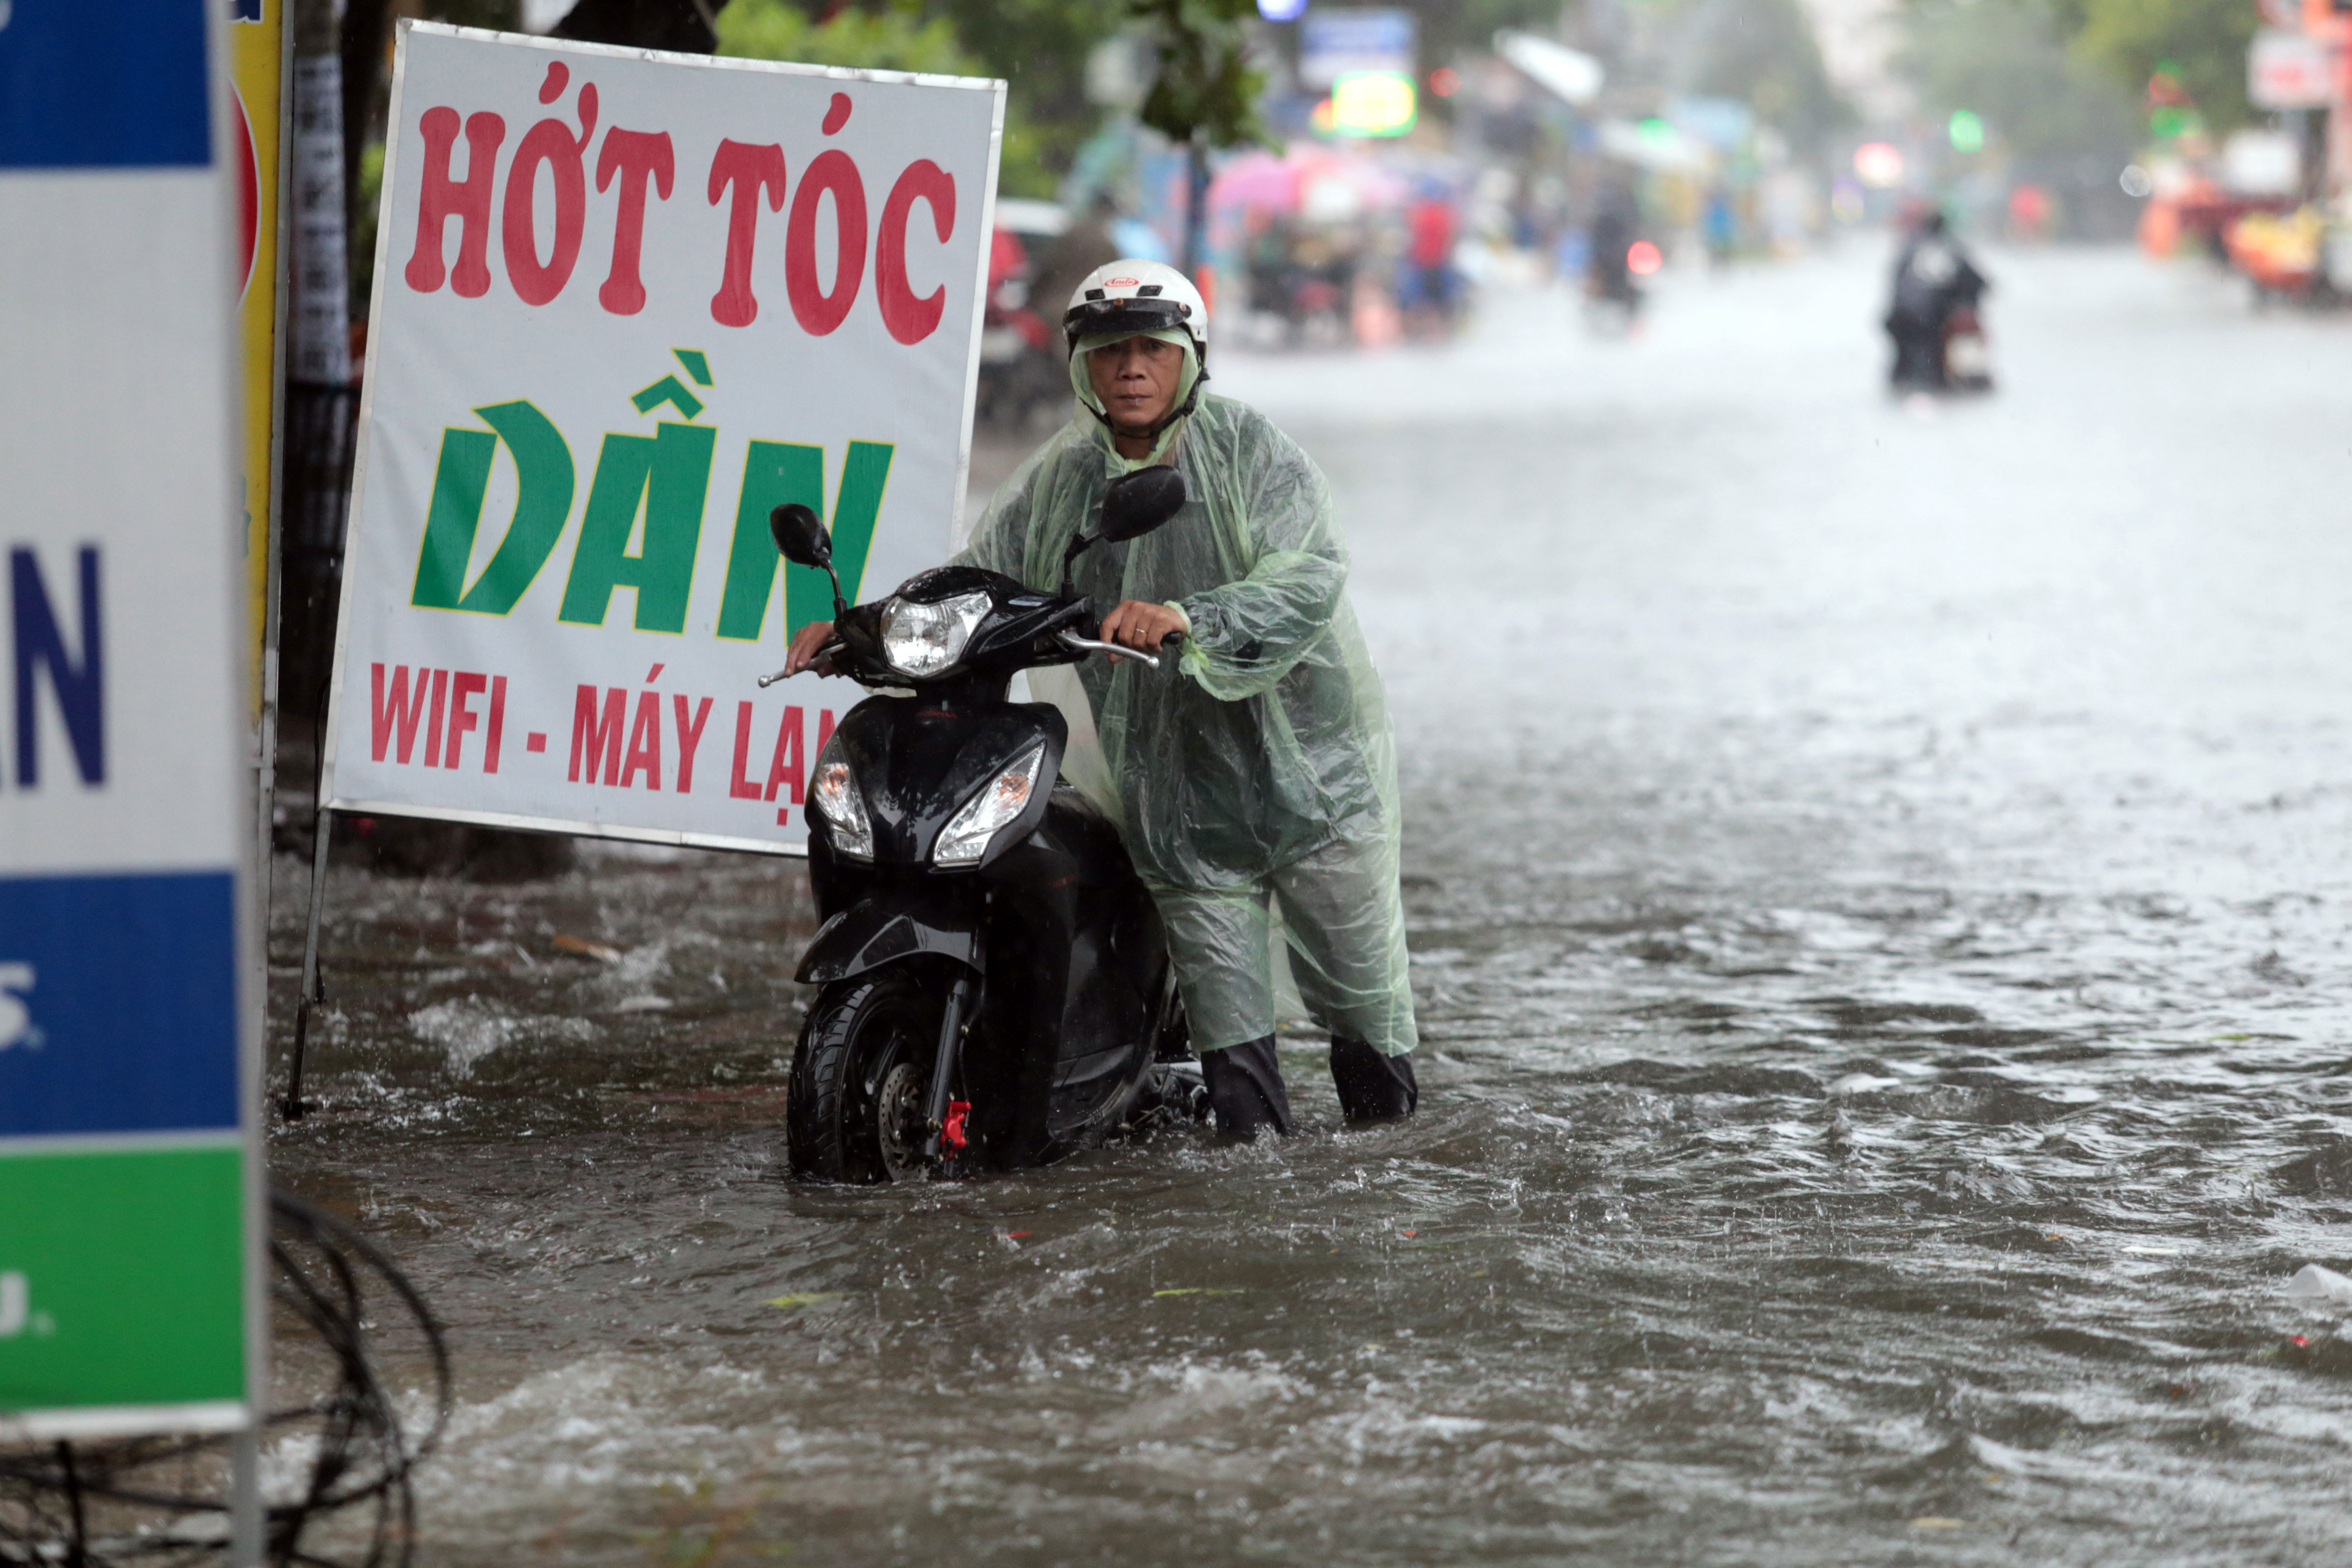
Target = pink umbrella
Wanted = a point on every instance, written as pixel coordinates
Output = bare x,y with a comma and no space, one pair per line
1375,185
1257,179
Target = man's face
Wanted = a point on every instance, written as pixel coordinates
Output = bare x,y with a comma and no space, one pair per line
1136,379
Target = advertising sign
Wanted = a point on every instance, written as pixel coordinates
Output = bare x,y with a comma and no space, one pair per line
627,303
2288,70
129,1167
1336,43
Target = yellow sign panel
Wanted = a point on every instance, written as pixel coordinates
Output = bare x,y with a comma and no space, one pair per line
256,62
1374,103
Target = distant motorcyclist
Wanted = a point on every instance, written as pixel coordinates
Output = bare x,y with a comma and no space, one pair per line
1616,224
1933,278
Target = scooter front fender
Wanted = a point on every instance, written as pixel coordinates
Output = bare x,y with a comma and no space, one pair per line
892,924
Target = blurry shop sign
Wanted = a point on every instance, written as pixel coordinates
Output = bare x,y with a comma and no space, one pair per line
2262,162
2288,70
129,1166
256,58
1722,123
626,304
1336,43
1376,103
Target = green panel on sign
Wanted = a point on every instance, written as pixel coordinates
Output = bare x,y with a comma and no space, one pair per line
460,481
121,1279
775,472
665,476
856,507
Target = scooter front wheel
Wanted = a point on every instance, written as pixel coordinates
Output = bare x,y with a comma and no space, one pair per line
861,1078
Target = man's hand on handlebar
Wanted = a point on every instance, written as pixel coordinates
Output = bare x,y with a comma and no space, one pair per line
806,643
1140,627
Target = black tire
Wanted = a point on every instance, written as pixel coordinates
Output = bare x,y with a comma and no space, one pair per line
861,1080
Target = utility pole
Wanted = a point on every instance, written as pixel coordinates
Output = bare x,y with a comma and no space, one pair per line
321,314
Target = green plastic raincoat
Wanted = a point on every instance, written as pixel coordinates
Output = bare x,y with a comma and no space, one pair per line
1260,767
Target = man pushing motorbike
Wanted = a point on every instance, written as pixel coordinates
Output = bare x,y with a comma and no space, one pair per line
1259,774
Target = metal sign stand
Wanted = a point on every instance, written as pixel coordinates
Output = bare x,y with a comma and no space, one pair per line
322,829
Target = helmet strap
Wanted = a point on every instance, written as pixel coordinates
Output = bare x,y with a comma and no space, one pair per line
1192,398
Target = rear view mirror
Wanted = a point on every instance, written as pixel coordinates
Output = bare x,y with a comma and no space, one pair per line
1135,504
800,537
802,540
1140,501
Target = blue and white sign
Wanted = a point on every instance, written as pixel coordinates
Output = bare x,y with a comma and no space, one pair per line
82,1051
128,1049
118,86
1333,44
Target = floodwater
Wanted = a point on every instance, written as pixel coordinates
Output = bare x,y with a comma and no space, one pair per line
1877,883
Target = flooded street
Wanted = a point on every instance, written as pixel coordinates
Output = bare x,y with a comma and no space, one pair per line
1877,883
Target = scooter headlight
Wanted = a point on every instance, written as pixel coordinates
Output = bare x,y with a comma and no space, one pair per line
921,640
965,838
843,806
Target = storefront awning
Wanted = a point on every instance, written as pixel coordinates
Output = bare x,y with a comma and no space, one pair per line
1570,74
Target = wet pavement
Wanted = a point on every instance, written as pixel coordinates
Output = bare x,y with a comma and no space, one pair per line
1876,881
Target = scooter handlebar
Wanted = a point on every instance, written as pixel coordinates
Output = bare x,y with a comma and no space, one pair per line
1069,639
823,658
1089,645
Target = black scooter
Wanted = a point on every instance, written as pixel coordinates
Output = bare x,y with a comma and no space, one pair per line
996,990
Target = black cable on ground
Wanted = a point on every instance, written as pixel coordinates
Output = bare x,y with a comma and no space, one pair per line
165,1500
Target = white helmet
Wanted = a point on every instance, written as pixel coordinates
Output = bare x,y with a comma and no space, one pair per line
1132,297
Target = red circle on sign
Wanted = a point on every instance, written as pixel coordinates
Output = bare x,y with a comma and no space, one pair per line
248,198
1643,259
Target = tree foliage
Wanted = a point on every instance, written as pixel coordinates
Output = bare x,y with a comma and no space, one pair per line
1206,85
892,37
2007,61
889,40
1764,53
1452,27
2203,41
1040,48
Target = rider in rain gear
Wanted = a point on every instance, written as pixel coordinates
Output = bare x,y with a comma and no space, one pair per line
1933,278
1260,773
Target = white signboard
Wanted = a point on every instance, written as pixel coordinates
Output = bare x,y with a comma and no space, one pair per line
625,304
2288,70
